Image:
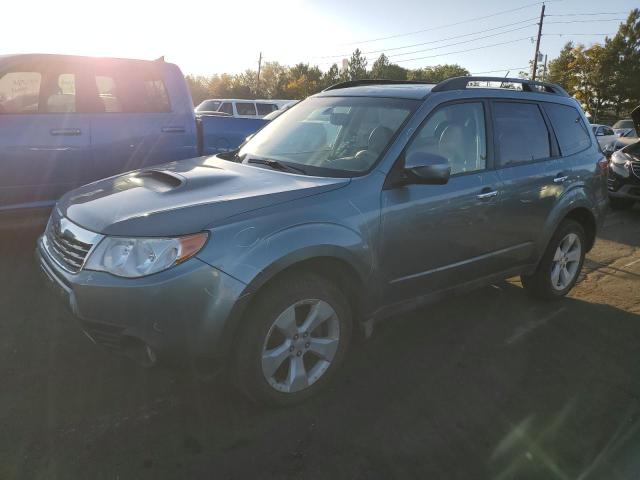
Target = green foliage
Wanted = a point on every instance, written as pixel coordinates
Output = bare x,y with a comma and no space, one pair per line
383,68
437,73
605,78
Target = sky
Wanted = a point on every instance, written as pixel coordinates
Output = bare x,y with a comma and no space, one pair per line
207,37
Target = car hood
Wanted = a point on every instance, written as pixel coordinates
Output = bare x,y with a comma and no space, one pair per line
184,197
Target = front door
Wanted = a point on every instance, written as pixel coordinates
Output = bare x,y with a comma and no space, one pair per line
44,139
436,236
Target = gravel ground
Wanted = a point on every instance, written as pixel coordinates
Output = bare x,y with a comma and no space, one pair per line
489,385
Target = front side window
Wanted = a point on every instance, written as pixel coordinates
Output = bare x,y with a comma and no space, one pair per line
571,132
19,92
521,134
155,98
245,108
336,136
457,133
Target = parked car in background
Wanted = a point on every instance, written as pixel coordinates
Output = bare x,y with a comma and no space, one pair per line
625,128
624,171
66,121
242,108
628,137
604,134
365,200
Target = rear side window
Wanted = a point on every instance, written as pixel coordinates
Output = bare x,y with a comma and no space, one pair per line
19,92
108,94
155,98
245,108
520,132
226,107
266,108
571,132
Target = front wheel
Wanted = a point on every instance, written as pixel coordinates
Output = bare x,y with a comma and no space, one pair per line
560,265
294,340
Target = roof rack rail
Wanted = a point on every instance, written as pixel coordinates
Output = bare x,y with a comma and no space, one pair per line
380,81
461,83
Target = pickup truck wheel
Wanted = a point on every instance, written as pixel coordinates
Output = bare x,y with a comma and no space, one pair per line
620,203
560,265
294,340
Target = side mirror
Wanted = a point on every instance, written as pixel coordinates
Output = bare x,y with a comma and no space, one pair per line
427,168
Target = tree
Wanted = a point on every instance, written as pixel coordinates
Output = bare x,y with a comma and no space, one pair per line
357,66
383,68
330,77
437,73
273,80
199,88
560,68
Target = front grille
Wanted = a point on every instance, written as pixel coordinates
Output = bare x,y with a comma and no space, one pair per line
67,243
108,336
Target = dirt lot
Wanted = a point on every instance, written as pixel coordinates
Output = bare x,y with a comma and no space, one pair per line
490,385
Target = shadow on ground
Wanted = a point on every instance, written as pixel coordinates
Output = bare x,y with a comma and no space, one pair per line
489,385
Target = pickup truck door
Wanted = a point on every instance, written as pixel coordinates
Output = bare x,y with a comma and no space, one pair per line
44,137
140,117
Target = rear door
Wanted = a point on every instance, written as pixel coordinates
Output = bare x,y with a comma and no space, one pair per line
529,166
135,122
245,109
44,137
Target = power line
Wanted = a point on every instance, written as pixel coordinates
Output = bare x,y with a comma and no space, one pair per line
584,14
460,43
500,70
449,24
582,34
464,51
590,21
433,41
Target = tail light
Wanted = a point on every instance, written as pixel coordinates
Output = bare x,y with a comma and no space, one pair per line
603,165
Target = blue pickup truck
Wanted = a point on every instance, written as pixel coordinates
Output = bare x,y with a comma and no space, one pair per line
66,121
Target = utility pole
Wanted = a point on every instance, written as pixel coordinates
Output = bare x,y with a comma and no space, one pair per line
258,80
535,57
544,72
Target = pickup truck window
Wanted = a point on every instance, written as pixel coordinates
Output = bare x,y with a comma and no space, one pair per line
108,94
226,107
156,98
19,92
245,108
60,93
266,108
332,136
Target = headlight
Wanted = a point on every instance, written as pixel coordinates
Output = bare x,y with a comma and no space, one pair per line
137,257
620,158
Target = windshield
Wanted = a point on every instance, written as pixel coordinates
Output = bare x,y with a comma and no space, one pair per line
208,106
623,124
338,136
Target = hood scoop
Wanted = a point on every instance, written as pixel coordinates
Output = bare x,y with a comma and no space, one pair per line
157,180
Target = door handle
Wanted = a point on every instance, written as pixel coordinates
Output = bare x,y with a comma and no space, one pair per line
173,130
65,131
485,195
560,179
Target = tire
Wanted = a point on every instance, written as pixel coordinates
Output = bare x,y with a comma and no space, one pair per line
548,281
620,203
273,344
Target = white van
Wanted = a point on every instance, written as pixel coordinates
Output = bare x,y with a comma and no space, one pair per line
241,108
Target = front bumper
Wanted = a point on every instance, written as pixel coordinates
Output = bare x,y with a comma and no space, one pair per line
624,181
182,313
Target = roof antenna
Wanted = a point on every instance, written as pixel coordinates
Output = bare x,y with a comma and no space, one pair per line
160,59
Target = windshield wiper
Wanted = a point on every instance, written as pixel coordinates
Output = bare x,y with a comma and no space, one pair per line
276,165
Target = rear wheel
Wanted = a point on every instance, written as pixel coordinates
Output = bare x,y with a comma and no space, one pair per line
620,203
294,340
560,265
